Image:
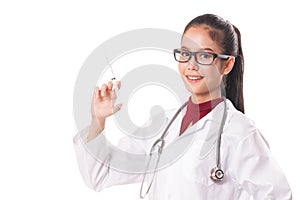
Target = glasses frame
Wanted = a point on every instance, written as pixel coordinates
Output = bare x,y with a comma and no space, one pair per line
221,56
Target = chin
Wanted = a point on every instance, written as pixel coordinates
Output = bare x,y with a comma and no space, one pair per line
195,90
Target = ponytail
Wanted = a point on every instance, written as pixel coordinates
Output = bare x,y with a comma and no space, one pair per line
234,80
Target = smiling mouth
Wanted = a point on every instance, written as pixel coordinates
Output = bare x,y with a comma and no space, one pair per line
194,78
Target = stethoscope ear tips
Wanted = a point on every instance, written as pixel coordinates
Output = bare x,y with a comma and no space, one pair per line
216,174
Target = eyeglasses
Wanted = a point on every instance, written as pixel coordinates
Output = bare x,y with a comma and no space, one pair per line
201,57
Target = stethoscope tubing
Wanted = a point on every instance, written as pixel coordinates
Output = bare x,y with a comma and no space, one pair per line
218,153
161,142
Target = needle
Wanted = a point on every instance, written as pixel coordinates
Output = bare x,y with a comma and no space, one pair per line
114,82
111,69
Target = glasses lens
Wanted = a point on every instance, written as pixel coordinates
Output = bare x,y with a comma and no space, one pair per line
205,58
181,55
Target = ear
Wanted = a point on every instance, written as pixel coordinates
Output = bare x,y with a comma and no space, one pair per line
228,65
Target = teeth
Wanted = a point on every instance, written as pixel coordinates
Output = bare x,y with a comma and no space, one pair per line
194,78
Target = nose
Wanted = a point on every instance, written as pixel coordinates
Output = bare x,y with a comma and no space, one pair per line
192,64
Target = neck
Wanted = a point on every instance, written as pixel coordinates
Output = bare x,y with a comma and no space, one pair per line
200,98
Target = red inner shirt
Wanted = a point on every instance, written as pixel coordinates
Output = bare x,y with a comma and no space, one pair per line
195,112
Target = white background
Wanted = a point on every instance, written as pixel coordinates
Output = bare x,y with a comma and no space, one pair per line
44,43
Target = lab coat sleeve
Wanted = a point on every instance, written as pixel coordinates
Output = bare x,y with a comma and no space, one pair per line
256,171
98,174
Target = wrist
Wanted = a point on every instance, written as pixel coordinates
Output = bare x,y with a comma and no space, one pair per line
96,127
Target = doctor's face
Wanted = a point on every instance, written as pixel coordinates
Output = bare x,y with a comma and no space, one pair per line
202,81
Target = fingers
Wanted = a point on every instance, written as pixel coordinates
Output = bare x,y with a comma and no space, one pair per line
105,90
119,84
110,85
96,93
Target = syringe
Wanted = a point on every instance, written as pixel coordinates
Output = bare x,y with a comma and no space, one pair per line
115,83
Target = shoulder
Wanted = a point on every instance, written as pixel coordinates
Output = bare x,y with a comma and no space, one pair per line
241,131
238,124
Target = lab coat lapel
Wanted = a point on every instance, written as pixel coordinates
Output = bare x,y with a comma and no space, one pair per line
202,137
205,124
207,129
213,130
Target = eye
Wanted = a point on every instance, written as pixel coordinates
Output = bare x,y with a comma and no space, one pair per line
205,56
185,53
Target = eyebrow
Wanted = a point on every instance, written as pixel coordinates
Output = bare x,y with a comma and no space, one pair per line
201,49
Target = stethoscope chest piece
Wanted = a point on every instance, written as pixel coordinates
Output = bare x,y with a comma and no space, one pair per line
216,174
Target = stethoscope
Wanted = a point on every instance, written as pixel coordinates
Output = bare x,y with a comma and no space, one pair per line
216,173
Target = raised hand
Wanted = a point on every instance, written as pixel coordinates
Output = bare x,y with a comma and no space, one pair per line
102,107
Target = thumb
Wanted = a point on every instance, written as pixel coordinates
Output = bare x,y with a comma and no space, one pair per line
116,108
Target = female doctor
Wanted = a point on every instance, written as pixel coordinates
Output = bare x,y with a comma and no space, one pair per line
238,165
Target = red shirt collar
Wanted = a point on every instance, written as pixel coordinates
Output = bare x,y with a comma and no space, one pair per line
195,112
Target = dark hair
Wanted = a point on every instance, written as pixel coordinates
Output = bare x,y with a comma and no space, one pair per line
228,38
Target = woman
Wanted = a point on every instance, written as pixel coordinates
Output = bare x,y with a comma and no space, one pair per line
211,65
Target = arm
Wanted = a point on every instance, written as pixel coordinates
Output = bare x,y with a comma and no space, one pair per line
90,143
256,171
97,173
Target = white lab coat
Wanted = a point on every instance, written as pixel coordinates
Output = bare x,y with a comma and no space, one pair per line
250,169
